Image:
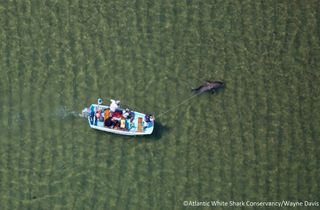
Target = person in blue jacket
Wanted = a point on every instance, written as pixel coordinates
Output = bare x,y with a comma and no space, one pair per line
91,115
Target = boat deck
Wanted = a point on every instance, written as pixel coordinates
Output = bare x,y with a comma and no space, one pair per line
137,126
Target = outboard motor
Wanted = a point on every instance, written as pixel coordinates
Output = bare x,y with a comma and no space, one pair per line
85,112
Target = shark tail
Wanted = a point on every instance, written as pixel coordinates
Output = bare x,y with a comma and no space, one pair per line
195,89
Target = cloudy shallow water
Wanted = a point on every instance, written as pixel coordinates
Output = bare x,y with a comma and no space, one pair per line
257,139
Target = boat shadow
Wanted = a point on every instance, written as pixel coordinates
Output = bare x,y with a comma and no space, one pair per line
157,133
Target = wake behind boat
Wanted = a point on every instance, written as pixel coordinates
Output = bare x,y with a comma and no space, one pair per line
114,119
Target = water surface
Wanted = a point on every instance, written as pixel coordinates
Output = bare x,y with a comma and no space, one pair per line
258,139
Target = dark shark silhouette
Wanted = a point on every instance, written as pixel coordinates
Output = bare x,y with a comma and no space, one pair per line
209,86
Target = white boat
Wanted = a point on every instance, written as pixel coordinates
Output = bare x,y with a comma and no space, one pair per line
138,124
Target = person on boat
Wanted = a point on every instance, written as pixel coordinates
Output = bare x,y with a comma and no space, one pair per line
114,106
116,124
97,116
101,119
105,114
147,118
126,113
148,121
117,115
110,122
91,114
131,116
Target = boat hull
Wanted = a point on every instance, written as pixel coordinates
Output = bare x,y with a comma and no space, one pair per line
133,130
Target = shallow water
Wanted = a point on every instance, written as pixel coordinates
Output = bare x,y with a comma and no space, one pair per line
258,139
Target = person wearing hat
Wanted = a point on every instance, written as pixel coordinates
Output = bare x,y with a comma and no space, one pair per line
114,105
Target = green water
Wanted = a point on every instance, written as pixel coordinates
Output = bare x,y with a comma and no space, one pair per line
257,140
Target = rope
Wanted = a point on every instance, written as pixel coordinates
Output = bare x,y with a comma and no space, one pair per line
174,107
179,104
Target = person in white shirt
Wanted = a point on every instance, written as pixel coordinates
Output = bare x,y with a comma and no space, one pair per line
126,113
114,105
